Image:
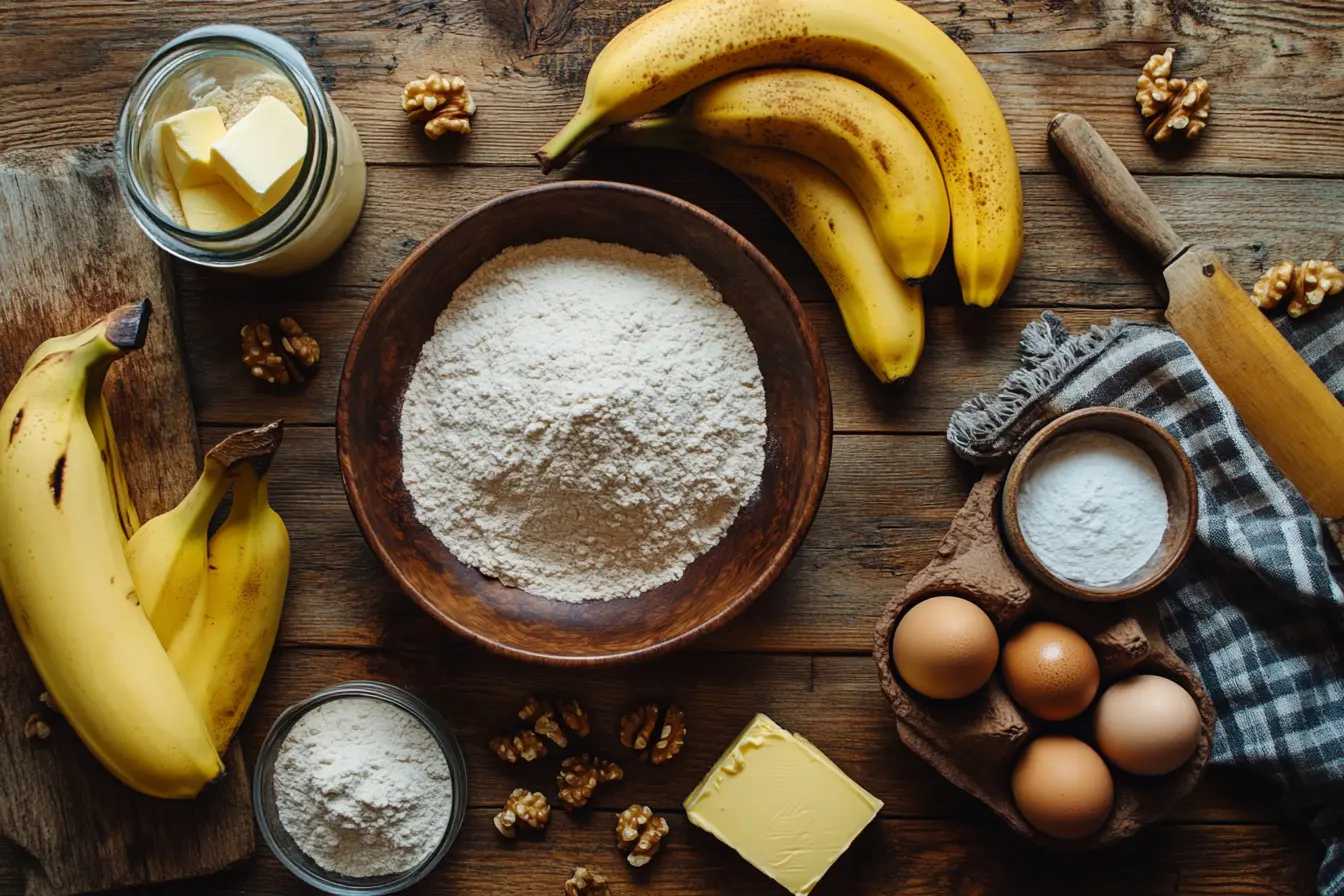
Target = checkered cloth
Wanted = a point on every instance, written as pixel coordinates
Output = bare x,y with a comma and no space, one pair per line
1266,645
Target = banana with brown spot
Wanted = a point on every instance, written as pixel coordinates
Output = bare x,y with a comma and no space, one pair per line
684,44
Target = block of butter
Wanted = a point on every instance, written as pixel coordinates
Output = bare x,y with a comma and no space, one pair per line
782,805
187,138
260,156
214,207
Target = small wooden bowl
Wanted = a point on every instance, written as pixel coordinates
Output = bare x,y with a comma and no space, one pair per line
720,583
1178,479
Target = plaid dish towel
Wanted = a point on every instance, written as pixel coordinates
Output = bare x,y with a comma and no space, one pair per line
1266,645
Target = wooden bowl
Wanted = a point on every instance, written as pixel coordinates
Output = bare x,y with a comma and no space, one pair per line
720,583
1178,479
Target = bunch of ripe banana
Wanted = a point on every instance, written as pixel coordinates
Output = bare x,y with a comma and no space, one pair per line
847,171
150,640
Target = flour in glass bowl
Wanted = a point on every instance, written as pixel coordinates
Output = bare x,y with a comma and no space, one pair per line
1092,507
586,420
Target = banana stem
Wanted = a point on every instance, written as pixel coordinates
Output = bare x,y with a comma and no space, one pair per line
582,129
251,447
659,132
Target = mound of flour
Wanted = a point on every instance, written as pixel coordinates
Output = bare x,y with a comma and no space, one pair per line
585,421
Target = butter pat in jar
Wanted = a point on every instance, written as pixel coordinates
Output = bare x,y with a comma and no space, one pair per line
231,155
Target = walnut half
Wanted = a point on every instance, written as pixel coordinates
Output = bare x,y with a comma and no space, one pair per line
586,883
639,834
579,777
1305,286
532,809
443,104
1174,105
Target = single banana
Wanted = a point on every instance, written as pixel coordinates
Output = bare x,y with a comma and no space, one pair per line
167,556
248,574
851,130
101,424
883,314
65,579
686,43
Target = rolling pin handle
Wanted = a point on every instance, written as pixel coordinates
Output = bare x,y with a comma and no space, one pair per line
1109,182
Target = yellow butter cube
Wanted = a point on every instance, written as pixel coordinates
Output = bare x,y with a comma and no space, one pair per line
187,138
260,156
214,207
782,805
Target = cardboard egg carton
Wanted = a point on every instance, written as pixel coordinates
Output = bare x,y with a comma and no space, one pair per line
974,742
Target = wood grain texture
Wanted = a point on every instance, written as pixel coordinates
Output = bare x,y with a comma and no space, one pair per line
1073,256
69,254
526,63
1260,184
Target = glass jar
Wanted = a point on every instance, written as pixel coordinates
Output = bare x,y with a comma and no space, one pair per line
320,209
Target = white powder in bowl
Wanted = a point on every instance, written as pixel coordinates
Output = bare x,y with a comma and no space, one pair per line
363,788
1092,507
586,420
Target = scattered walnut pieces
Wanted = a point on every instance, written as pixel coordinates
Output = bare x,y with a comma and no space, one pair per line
532,809
1173,104
260,356
34,727
298,344
639,834
1305,286
586,883
579,777
542,714
524,745
443,104
638,726
671,736
575,718
283,365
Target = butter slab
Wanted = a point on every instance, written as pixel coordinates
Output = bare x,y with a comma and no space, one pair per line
782,804
260,156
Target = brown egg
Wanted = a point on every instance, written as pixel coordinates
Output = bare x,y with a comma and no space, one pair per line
945,647
1050,671
1147,725
1062,787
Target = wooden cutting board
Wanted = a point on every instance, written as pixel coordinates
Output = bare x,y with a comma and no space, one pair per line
69,252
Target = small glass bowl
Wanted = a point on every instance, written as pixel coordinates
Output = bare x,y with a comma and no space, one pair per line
284,847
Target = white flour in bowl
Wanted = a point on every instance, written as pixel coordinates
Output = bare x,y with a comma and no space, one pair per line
586,420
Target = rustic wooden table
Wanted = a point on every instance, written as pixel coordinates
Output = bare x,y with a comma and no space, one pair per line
1262,184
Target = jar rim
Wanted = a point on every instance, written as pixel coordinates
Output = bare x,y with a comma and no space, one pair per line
270,231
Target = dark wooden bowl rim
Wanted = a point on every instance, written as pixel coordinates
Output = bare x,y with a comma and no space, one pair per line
813,488
1017,543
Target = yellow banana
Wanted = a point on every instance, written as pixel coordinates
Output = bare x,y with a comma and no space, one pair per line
248,574
851,130
167,556
686,43
101,424
883,314
65,578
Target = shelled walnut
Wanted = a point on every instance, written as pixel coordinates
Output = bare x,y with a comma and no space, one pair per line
443,104
542,713
35,728
1174,105
671,736
261,357
280,364
579,777
586,883
524,745
531,809
298,344
639,834
659,736
1305,286
638,726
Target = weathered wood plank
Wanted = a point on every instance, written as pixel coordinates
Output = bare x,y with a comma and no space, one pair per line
1073,257
887,506
910,857
527,69
966,352
833,701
